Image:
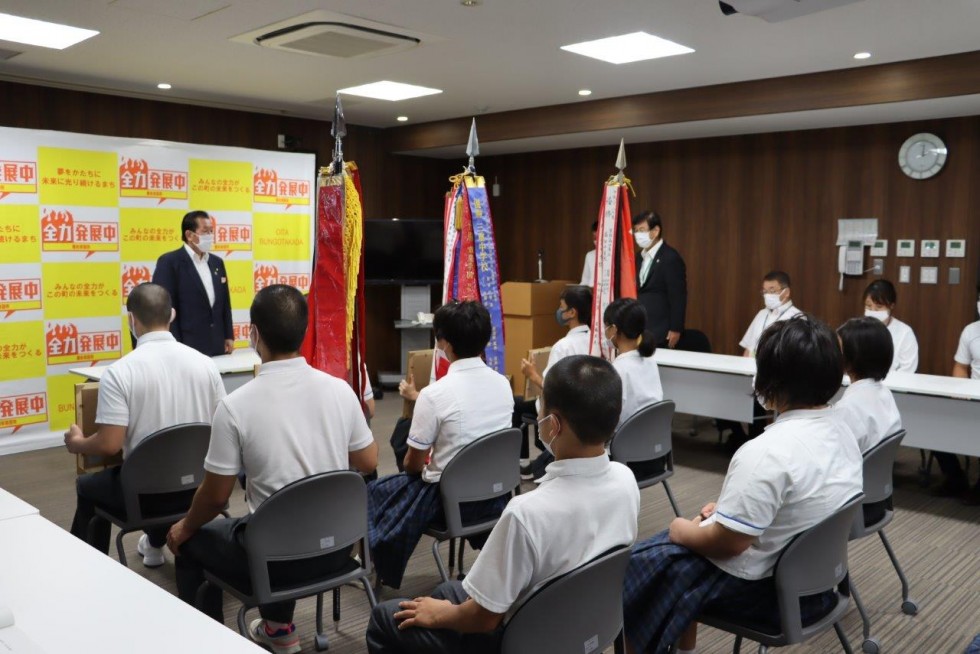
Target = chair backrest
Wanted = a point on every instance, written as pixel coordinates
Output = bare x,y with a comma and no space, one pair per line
645,435
879,463
488,467
166,461
581,611
694,340
308,518
815,561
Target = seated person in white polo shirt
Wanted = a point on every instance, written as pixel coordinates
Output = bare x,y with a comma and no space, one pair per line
574,312
799,471
880,299
585,506
470,401
160,384
966,365
867,405
291,422
776,296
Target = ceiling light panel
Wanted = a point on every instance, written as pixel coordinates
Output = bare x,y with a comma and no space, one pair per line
391,91
627,48
41,33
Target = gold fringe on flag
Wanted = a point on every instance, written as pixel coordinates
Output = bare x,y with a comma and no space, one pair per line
353,233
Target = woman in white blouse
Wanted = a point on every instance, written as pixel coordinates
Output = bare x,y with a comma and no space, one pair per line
879,302
625,323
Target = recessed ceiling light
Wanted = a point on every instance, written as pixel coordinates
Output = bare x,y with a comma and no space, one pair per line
627,48
863,55
164,86
469,3
402,119
41,32
392,91
585,92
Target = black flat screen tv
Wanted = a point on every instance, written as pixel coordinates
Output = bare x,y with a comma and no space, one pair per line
403,251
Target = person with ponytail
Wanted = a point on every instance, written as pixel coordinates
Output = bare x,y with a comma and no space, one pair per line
625,323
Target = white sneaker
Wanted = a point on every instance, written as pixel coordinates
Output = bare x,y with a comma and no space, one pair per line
284,641
152,556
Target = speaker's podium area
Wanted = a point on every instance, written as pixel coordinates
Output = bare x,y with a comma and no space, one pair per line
529,322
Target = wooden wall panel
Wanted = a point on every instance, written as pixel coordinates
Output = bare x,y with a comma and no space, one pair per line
739,206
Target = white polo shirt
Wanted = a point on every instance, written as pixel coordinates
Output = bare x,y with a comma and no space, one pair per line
290,422
799,471
576,341
162,383
764,319
869,410
201,266
641,383
585,508
906,347
471,401
968,352
588,269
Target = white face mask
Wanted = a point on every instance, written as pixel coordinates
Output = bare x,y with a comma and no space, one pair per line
772,300
132,326
642,239
880,315
205,242
978,307
253,338
548,444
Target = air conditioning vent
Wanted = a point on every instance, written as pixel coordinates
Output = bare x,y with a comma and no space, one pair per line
775,11
334,39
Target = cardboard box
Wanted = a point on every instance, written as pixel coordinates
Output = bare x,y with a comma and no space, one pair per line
527,333
530,299
86,404
539,357
420,367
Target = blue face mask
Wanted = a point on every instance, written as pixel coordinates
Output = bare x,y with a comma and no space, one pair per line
561,319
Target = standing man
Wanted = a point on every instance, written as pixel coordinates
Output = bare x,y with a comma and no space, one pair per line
198,285
661,283
588,269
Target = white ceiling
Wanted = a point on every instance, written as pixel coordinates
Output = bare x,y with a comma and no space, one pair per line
500,55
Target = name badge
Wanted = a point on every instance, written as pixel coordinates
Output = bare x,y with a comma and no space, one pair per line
224,280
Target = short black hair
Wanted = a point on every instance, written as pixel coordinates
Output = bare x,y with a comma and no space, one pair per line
595,225
280,315
630,318
466,325
579,298
651,218
587,393
777,276
798,363
151,304
881,291
867,347
189,222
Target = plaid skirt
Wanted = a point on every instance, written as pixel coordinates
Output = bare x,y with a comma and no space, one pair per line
400,508
668,586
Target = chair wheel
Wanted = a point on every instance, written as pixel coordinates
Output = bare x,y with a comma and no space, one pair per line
320,643
909,607
871,646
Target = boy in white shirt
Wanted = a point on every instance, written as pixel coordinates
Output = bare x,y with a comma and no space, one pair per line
588,267
586,506
291,422
966,365
470,401
574,312
802,469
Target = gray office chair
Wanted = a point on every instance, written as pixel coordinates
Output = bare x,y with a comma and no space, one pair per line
485,469
307,519
644,436
581,611
878,464
815,561
167,461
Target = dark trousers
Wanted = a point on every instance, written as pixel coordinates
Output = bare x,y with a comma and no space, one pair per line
524,408
950,465
384,637
399,441
103,489
219,548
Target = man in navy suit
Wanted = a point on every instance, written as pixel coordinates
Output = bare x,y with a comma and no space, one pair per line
661,280
198,285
